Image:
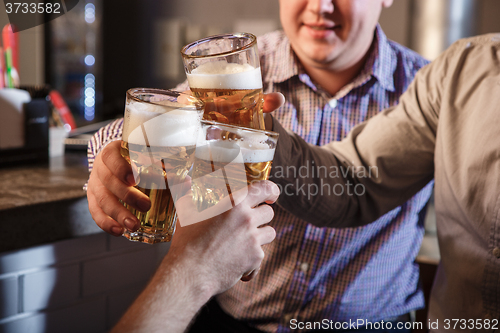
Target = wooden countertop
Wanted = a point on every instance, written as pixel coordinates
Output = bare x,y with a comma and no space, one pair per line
40,204
27,185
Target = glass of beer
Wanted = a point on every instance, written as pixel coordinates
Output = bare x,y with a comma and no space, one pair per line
228,159
224,71
160,130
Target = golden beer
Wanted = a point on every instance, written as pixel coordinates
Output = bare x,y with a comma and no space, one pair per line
160,130
153,181
228,158
224,72
232,106
208,191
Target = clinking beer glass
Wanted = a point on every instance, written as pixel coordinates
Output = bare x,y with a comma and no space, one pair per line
228,158
224,71
160,131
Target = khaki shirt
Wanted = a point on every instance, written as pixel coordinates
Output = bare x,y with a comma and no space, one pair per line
446,126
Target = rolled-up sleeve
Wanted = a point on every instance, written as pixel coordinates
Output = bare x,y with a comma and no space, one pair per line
105,135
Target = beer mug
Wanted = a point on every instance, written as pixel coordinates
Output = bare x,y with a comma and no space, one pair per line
160,130
224,71
228,158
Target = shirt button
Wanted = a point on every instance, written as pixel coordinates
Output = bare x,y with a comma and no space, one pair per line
287,317
496,252
333,103
304,267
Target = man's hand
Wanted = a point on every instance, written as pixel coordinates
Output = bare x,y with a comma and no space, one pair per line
226,247
204,259
112,180
272,101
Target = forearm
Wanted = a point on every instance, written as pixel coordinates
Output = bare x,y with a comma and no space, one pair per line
311,182
170,301
379,166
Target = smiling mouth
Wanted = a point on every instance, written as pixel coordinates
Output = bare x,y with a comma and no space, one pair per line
322,27
319,28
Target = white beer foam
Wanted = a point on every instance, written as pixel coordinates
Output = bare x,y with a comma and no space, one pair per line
164,129
257,155
234,151
223,75
252,139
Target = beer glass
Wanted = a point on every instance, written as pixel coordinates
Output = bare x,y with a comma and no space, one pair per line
224,71
227,159
160,130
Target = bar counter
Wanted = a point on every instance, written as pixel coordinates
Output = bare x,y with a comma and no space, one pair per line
44,203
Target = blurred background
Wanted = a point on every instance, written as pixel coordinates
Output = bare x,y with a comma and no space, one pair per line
99,49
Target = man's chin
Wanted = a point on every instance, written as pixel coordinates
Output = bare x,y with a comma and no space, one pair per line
321,61
316,55
321,54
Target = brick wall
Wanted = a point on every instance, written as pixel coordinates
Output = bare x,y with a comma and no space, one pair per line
78,285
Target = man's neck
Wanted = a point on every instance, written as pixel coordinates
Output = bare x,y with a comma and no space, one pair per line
333,80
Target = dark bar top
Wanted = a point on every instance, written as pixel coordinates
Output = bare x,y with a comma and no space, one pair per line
27,185
43,203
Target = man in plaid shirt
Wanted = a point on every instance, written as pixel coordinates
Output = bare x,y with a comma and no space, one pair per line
336,68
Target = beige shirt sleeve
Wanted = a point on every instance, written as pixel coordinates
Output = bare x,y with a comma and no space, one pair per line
383,161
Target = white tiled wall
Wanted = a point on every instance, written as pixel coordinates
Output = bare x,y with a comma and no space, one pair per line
79,285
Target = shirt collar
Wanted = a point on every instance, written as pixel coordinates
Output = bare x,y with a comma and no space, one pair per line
381,63
289,66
